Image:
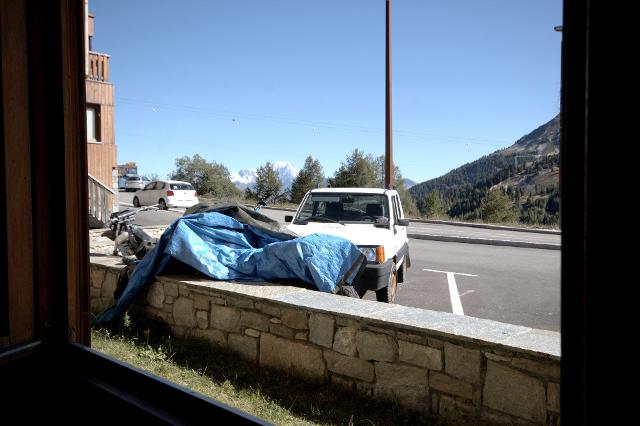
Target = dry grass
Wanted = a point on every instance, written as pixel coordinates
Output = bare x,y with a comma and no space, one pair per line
274,397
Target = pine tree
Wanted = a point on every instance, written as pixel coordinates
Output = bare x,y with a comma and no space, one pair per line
311,176
267,183
358,171
496,207
432,206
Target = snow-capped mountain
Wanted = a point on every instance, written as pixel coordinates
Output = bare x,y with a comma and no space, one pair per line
287,172
243,178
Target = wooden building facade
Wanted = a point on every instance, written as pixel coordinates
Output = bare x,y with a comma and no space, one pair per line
101,146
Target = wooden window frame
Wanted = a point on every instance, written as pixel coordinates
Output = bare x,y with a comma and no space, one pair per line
47,268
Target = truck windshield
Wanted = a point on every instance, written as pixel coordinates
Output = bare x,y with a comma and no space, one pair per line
365,208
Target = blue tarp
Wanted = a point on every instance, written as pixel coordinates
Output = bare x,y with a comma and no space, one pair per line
224,248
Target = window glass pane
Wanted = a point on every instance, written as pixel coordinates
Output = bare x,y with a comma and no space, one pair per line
91,123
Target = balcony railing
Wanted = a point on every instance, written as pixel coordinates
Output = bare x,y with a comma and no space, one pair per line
98,68
99,201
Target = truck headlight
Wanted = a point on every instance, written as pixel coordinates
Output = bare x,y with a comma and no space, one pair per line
373,254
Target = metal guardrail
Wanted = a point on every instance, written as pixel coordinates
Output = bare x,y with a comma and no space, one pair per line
99,200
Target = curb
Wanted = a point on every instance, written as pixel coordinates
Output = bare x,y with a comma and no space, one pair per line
278,208
525,244
488,226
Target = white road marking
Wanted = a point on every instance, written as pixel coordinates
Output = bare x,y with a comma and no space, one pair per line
449,272
456,303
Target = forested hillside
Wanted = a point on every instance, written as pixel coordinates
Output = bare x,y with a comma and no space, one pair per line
515,184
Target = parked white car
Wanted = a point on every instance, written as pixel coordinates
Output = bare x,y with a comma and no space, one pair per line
372,219
166,193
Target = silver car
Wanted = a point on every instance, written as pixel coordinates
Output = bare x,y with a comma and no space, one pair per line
133,183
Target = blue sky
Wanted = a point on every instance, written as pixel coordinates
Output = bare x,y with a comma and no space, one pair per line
243,82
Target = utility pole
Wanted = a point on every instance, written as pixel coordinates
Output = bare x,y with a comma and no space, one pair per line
388,157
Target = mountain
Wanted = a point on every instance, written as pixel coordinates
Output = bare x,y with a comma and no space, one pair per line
244,178
408,183
286,172
528,171
545,140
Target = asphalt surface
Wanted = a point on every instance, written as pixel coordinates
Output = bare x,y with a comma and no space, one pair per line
508,284
515,285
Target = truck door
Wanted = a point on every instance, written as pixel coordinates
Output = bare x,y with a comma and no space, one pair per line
400,231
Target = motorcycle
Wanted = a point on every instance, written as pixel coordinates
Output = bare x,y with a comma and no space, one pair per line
130,240
273,199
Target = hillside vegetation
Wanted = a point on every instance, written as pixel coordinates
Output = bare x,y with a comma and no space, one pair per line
516,184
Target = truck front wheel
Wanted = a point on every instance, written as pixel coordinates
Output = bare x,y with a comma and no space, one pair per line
388,294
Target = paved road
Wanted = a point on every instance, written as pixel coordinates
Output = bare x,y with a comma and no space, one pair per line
432,229
508,284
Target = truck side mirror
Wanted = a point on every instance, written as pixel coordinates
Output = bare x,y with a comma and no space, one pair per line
288,219
403,222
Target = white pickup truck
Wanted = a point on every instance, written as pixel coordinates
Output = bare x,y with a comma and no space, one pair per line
372,219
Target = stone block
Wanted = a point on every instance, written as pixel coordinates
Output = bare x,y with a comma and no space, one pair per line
225,318
246,347
294,319
268,308
553,397
435,343
450,385
202,319
282,331
94,292
497,358
201,302
239,302
109,284
254,320
509,391
321,330
171,289
347,366
97,277
454,411
344,341
183,312
251,332
342,382
413,338
291,356
422,356
407,385
216,337
183,290
155,295
376,347
551,369
347,322
462,363
380,330
302,335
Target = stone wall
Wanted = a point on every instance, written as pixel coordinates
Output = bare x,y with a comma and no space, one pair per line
437,363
